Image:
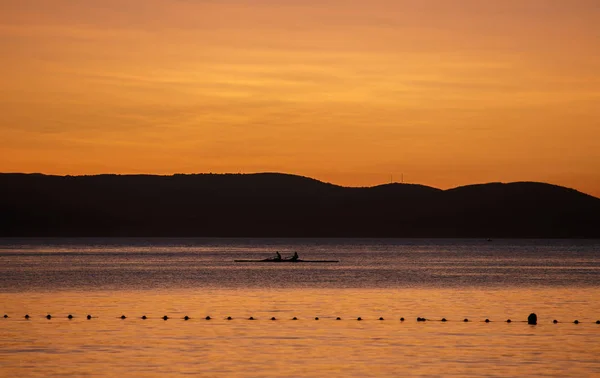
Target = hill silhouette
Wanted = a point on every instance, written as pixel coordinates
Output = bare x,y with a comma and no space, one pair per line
282,205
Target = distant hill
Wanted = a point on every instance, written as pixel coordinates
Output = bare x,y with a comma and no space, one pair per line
271,204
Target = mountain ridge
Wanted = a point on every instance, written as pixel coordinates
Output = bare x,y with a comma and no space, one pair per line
289,175
280,205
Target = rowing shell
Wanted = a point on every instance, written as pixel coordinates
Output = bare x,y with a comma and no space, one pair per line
290,261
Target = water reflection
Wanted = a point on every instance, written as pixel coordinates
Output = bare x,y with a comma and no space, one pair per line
388,279
190,263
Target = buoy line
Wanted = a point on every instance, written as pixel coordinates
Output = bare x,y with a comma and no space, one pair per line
532,319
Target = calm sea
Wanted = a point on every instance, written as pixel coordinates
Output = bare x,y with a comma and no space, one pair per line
375,278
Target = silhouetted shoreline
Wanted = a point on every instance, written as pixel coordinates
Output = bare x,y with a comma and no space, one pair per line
281,205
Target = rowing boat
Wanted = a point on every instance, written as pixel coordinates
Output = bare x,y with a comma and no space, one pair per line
287,261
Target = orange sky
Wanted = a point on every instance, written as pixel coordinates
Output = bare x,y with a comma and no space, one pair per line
447,92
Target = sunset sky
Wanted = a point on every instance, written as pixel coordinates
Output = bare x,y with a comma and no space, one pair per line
445,92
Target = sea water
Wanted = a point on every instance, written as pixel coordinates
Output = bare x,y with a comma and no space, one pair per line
375,278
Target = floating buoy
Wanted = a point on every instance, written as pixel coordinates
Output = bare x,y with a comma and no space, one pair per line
338,318
597,321
208,318
5,316
70,316
401,319
576,322
251,318
316,318
466,320
555,321
381,318
123,317
165,317
294,318
444,320
26,316
508,320
229,318
532,319
89,317
48,316
421,319
144,317
186,318
273,318
359,318
487,320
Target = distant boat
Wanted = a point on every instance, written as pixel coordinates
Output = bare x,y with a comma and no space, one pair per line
291,259
286,261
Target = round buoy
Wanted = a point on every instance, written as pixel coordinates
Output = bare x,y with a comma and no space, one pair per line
381,318
165,317
576,322
597,321
508,320
359,318
555,321
532,319
5,316
48,316
487,320
229,318
123,317
273,318
26,316
294,318
316,318
89,317
466,320
338,318
251,318
208,318
70,316
444,320
144,317
186,318
401,319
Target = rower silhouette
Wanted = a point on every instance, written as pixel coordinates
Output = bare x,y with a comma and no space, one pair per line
278,257
294,257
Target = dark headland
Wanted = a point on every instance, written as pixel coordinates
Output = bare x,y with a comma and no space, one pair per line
281,205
